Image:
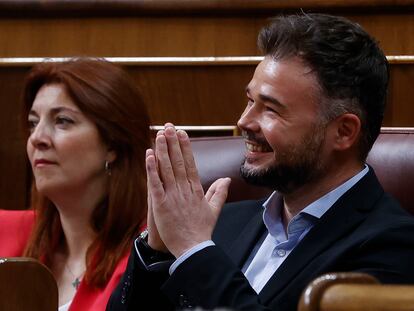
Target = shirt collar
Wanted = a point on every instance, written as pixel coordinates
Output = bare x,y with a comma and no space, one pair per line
307,217
319,207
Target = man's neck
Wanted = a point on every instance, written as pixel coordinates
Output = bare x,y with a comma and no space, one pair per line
296,201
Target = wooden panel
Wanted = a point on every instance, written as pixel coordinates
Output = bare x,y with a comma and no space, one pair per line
13,165
394,32
172,35
194,95
153,36
400,109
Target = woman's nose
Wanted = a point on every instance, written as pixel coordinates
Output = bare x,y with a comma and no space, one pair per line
40,136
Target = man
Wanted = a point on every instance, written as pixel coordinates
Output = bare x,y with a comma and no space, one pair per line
315,107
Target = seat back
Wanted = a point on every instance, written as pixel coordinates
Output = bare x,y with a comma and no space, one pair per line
221,157
26,284
350,291
392,158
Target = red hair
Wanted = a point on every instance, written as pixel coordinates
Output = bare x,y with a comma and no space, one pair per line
109,98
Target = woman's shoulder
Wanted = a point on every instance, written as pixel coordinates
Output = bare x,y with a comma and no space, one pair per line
16,220
15,228
16,214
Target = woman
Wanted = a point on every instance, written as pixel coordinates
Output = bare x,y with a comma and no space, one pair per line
88,130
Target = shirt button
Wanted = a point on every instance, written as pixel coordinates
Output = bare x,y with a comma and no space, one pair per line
281,252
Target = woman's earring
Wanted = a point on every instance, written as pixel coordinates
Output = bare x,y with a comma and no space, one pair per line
108,167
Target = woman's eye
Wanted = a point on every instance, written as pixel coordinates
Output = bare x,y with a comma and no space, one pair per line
31,124
64,121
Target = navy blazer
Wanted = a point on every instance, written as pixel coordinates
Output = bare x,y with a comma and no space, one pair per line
365,231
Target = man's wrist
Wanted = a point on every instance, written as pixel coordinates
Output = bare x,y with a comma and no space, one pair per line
150,257
189,253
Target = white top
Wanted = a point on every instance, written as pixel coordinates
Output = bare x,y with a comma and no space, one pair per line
65,307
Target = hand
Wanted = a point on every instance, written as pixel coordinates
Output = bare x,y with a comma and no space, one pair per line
154,239
182,214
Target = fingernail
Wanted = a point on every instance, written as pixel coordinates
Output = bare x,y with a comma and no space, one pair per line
228,179
150,163
160,139
170,131
182,134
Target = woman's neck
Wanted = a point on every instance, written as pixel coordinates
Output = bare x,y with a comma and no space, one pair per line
75,210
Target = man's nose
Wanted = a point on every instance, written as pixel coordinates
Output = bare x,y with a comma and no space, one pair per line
249,119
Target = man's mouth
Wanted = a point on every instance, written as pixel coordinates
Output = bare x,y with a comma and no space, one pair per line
255,144
258,147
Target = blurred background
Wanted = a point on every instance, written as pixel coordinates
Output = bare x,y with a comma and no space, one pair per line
191,58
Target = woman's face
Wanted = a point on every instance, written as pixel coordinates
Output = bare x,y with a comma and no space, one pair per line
64,147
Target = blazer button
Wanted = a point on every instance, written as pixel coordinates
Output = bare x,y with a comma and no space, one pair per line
125,290
183,301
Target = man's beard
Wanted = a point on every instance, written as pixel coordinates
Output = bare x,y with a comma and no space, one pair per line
298,165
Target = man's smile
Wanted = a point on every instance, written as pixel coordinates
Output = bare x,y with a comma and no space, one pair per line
258,147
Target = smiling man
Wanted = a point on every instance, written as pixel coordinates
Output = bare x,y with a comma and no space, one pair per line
283,126
314,109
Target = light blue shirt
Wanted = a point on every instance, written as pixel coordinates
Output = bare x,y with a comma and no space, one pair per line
276,244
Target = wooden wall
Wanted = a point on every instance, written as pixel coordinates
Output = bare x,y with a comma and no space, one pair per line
178,28
191,91
168,36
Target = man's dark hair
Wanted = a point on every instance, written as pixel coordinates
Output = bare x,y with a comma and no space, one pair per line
351,68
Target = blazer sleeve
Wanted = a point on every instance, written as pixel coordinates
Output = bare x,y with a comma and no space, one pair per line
140,287
210,279
15,229
387,256
187,287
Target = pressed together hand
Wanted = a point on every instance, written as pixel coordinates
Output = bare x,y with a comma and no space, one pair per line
180,216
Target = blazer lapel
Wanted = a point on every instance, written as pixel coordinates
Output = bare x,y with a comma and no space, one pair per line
341,218
244,243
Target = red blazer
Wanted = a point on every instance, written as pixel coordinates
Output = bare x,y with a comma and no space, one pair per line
15,228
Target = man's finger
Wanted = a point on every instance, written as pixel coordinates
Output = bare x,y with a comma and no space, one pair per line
176,158
166,172
154,183
190,165
217,194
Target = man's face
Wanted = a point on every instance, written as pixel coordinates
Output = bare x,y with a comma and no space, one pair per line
282,126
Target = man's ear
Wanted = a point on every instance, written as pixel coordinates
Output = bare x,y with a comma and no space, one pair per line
347,131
